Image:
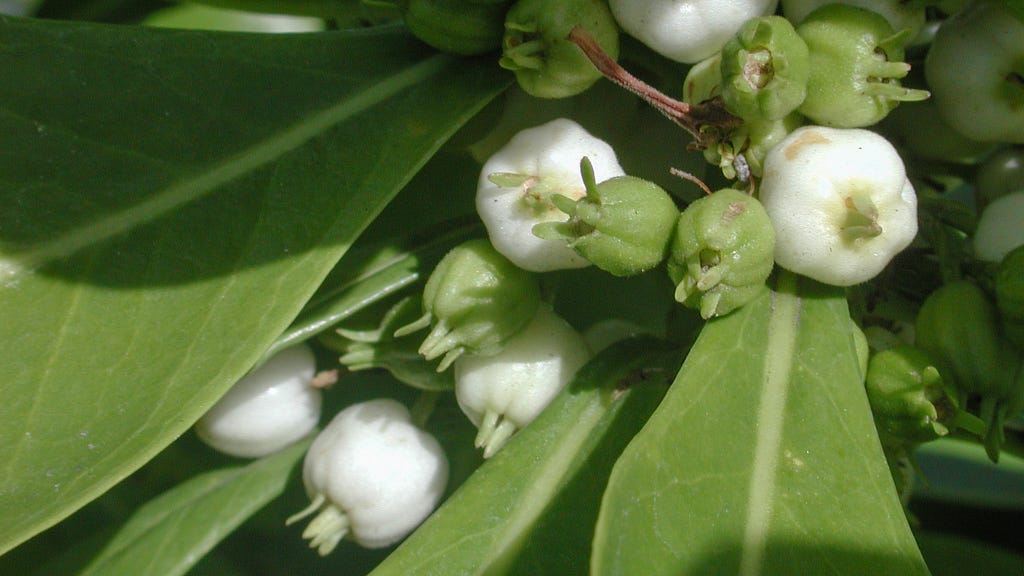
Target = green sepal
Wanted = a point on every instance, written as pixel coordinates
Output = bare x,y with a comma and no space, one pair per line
623,225
721,253
382,348
856,62
536,46
476,300
764,69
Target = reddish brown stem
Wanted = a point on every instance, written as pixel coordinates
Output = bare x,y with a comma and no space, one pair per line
677,111
687,176
690,117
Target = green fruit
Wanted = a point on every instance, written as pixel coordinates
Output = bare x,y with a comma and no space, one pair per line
464,27
623,225
959,326
1010,295
537,48
908,397
721,254
856,64
476,301
765,68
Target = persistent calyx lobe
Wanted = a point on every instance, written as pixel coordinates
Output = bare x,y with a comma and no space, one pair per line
623,225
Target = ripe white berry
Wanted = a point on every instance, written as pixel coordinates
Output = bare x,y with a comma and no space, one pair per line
268,409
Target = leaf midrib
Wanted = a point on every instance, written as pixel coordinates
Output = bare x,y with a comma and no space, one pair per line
783,327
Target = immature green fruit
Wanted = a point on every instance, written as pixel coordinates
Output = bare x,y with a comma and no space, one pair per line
464,27
975,69
1010,295
909,399
622,225
1000,174
901,14
765,68
721,253
856,64
476,300
959,326
537,48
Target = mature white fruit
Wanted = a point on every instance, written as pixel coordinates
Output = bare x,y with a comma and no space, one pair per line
686,30
840,201
517,182
503,392
372,475
268,409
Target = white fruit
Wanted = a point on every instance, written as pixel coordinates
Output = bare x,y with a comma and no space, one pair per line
372,475
840,201
268,409
506,391
686,30
517,182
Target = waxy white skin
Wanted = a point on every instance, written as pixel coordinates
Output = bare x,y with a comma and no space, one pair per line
686,30
268,409
522,379
1000,228
807,178
385,474
966,68
552,152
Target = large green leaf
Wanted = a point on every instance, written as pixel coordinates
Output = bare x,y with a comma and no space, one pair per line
531,508
762,459
170,200
171,533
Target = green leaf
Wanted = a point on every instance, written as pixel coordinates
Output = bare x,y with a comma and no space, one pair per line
172,532
763,457
530,509
171,200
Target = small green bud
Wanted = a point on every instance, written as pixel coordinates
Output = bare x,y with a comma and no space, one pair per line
764,70
536,45
378,348
856,64
753,140
1010,295
959,326
476,300
623,225
721,253
909,399
464,27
